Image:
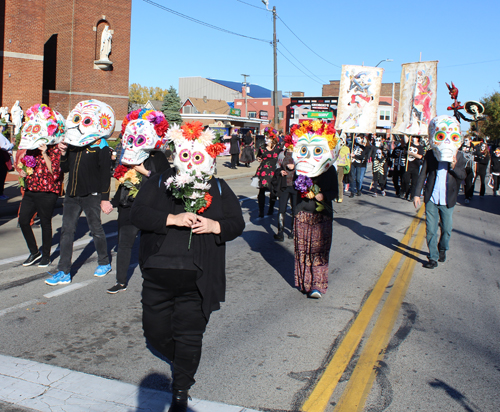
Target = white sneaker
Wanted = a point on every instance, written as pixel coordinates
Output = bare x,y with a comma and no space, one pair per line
315,294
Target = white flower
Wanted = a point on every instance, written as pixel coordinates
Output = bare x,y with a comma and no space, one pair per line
174,134
183,179
169,181
201,185
206,137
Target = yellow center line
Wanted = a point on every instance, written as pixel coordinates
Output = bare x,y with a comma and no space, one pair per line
354,396
322,392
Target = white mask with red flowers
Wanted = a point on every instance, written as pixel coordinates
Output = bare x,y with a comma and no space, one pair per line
193,149
444,137
89,121
44,126
142,132
315,148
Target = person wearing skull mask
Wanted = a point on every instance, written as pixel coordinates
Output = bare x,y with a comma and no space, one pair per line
398,156
143,133
186,216
415,154
468,151
442,172
85,155
495,169
359,158
40,135
482,159
380,168
315,149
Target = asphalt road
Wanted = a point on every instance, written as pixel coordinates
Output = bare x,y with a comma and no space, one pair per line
268,346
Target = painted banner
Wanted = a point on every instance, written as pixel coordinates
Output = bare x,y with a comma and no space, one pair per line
417,98
358,99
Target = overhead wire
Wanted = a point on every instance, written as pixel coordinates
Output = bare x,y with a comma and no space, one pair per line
211,26
252,5
298,68
322,58
281,44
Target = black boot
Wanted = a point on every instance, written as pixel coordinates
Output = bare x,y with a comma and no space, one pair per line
179,401
280,237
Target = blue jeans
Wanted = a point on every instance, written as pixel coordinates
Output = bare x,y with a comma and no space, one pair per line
72,209
357,176
438,216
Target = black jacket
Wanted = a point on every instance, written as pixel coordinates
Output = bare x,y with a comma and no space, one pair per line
88,169
149,213
454,177
328,184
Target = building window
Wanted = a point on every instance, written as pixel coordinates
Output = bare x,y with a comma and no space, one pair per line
387,115
252,115
187,109
265,103
239,103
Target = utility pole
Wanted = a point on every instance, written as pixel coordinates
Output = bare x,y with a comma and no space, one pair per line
245,85
275,97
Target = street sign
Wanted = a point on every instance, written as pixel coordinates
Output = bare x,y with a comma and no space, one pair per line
235,112
319,115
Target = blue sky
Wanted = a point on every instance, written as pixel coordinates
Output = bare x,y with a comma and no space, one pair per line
461,35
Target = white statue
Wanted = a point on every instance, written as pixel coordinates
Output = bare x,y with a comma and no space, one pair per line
17,117
105,44
4,114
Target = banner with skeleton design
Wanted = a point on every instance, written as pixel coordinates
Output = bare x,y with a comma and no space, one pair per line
358,99
417,98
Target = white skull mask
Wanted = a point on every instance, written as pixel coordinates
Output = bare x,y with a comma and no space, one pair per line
445,138
89,121
191,155
138,140
312,155
44,126
378,142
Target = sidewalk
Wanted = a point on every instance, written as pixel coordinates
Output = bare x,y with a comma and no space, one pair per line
9,207
47,388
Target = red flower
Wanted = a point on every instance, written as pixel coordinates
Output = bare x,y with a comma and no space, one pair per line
275,155
192,130
215,149
264,182
120,171
263,173
161,128
208,199
134,115
124,125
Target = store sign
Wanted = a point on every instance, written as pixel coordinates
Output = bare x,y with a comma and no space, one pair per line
319,115
235,112
263,115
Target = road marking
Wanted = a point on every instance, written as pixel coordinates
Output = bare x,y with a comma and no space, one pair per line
322,392
69,288
354,396
78,243
18,306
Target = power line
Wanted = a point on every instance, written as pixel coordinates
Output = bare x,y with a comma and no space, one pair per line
281,44
211,26
298,68
257,7
333,64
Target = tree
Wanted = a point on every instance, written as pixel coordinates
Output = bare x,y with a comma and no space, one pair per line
172,107
490,127
141,94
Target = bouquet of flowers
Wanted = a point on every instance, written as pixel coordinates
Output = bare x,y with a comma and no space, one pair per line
307,188
129,178
26,164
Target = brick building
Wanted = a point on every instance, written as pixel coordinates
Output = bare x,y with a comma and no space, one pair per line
49,49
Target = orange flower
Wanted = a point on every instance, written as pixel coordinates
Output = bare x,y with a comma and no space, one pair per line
192,130
215,149
208,199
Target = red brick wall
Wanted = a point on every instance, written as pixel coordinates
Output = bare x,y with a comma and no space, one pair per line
20,28
256,105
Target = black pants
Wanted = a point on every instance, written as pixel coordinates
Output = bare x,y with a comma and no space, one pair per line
261,200
173,320
289,193
127,233
235,159
3,172
397,180
73,207
469,184
42,203
481,172
410,178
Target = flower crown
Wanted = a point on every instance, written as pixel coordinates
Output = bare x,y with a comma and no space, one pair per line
55,126
193,131
152,116
271,133
317,127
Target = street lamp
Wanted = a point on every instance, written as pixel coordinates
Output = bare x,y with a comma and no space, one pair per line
385,60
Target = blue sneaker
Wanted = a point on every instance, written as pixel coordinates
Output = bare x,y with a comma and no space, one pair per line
315,294
102,270
60,278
